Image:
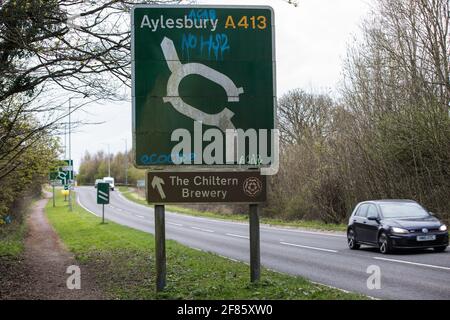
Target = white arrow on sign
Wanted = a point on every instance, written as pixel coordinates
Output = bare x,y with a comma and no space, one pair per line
157,182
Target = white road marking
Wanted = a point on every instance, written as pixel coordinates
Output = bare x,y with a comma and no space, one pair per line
175,224
139,216
306,232
81,205
201,229
308,247
413,263
236,235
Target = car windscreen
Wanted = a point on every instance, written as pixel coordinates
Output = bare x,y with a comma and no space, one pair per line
403,210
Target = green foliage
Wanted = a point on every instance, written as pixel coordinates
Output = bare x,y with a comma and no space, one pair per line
11,239
388,135
96,167
26,155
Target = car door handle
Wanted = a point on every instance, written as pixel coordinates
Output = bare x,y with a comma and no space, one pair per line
354,220
365,222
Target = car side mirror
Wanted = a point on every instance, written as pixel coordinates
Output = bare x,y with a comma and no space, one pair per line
431,213
373,218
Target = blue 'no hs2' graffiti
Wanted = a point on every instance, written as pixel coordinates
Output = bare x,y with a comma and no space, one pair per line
215,44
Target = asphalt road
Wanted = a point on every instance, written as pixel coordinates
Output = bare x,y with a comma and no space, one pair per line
319,256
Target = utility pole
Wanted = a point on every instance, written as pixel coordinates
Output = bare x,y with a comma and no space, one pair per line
65,150
109,159
126,162
109,162
65,140
70,156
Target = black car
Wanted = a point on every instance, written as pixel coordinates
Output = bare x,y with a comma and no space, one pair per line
392,224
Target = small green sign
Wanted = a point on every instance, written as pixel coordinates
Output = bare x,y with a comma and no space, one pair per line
103,193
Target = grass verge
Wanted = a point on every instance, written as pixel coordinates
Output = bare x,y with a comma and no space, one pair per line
123,261
316,225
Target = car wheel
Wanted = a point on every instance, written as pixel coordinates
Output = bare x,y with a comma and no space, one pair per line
440,249
351,240
384,244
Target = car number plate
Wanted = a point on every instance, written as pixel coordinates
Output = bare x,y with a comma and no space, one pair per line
426,238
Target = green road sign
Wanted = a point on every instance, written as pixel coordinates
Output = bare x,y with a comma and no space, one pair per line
203,85
65,172
103,193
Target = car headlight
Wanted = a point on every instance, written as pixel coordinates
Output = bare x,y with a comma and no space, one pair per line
399,230
443,228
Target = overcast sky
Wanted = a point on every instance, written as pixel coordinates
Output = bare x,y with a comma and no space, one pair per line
311,42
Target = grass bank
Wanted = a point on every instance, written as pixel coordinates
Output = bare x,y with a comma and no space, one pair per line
123,260
317,225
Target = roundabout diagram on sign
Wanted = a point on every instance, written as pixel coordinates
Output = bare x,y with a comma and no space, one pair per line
222,120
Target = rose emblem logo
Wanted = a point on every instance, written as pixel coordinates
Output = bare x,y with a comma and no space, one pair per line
252,186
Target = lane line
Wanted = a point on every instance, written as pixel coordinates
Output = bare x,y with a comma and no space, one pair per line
413,263
236,235
175,224
201,229
307,247
81,205
306,232
139,216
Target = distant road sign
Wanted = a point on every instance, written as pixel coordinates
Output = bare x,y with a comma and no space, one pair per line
140,183
65,172
197,187
200,72
103,193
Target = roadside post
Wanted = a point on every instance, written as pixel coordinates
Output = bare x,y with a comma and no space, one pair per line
53,177
103,197
54,184
255,257
160,247
140,184
204,110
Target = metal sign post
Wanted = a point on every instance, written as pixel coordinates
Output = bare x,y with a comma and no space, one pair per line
255,257
53,176
160,247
